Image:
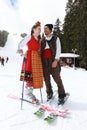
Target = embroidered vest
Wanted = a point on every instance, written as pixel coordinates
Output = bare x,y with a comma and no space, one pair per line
52,45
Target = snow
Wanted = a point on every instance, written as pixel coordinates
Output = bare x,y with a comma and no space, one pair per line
13,118
11,46
71,55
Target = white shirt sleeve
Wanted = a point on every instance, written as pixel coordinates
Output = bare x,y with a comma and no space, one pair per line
58,49
24,42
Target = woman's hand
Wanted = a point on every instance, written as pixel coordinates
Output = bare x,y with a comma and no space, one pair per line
20,51
54,63
25,54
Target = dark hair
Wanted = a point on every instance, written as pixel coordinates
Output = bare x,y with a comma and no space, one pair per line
50,26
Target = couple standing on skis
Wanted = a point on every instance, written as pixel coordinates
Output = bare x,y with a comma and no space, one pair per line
42,60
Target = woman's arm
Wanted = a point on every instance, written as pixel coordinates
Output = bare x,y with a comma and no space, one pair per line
24,42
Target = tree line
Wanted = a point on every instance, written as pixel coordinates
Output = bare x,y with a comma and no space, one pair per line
3,38
73,32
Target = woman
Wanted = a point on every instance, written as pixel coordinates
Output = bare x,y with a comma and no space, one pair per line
32,71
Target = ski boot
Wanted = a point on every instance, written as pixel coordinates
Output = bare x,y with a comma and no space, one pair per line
49,96
29,96
63,98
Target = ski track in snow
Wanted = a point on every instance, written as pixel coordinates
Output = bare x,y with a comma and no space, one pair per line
13,118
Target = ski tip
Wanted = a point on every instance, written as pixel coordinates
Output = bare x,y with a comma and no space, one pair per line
38,114
49,120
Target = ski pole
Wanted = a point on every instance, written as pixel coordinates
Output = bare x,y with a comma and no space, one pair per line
23,83
41,96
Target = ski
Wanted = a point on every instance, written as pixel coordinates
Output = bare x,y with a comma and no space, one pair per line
47,107
52,116
37,102
42,109
12,96
39,112
62,113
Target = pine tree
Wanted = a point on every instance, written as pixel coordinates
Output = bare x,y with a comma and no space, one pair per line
75,28
69,6
57,30
68,27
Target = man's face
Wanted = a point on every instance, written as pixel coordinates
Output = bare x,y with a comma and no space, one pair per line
47,31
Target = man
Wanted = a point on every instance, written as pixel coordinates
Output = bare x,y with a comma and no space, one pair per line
7,59
50,53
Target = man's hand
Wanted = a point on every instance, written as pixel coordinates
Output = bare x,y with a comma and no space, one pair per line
54,64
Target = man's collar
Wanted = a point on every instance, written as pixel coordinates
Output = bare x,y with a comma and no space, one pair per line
48,38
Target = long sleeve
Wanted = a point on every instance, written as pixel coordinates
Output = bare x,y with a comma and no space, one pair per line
24,42
58,49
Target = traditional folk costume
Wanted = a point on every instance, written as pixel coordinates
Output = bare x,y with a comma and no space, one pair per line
50,50
33,74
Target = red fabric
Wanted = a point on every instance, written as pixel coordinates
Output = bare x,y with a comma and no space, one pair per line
29,83
47,53
33,44
33,73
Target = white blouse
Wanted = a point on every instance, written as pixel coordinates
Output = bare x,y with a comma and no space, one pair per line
28,37
24,42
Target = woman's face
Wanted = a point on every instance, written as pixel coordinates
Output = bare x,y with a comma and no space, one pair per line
37,31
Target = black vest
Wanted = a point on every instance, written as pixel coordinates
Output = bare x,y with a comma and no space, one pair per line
51,43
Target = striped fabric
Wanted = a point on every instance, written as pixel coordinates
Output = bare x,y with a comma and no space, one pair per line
37,71
27,76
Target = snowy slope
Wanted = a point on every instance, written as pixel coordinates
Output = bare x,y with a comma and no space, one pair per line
11,46
13,118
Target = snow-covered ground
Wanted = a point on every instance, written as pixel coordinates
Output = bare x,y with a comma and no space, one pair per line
13,118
